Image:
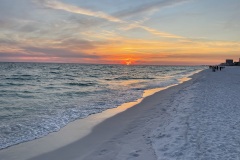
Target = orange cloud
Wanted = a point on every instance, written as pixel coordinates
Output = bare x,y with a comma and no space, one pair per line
109,47
162,52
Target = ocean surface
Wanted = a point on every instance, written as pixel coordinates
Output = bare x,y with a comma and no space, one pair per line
38,98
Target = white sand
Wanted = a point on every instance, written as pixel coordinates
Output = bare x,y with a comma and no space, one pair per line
199,119
203,120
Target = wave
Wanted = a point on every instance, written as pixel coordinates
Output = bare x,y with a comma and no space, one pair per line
20,78
48,105
12,84
52,72
26,75
130,78
81,84
15,84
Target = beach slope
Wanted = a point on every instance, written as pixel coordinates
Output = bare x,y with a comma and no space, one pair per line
198,119
127,135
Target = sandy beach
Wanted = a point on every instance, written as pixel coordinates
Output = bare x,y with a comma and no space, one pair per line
119,80
198,119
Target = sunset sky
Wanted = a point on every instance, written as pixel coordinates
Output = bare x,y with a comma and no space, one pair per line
158,32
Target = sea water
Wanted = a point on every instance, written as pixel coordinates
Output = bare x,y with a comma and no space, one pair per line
39,98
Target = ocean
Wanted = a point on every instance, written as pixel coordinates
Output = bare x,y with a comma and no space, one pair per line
39,98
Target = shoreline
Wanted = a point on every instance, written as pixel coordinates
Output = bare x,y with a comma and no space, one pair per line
70,133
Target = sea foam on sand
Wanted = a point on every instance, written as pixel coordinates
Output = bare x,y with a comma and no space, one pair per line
198,119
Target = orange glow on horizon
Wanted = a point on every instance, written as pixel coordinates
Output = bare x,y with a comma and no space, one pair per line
132,52
128,61
128,39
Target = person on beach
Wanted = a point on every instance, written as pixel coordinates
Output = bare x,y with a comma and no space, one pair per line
213,69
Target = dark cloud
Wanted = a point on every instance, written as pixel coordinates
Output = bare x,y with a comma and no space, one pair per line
197,55
11,55
85,22
5,23
37,52
18,25
28,28
80,44
33,54
58,52
8,41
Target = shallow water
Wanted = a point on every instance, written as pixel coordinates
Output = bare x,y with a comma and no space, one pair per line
36,98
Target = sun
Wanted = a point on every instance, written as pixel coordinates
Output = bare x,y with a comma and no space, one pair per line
128,61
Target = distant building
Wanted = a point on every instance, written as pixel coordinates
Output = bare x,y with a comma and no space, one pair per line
237,63
229,62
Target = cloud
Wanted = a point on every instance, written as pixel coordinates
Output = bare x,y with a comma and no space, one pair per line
54,4
72,44
150,6
152,31
12,55
28,28
6,41
38,54
58,52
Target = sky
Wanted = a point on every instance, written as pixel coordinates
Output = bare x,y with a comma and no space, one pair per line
145,32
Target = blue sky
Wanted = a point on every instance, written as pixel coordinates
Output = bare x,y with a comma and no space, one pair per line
109,31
